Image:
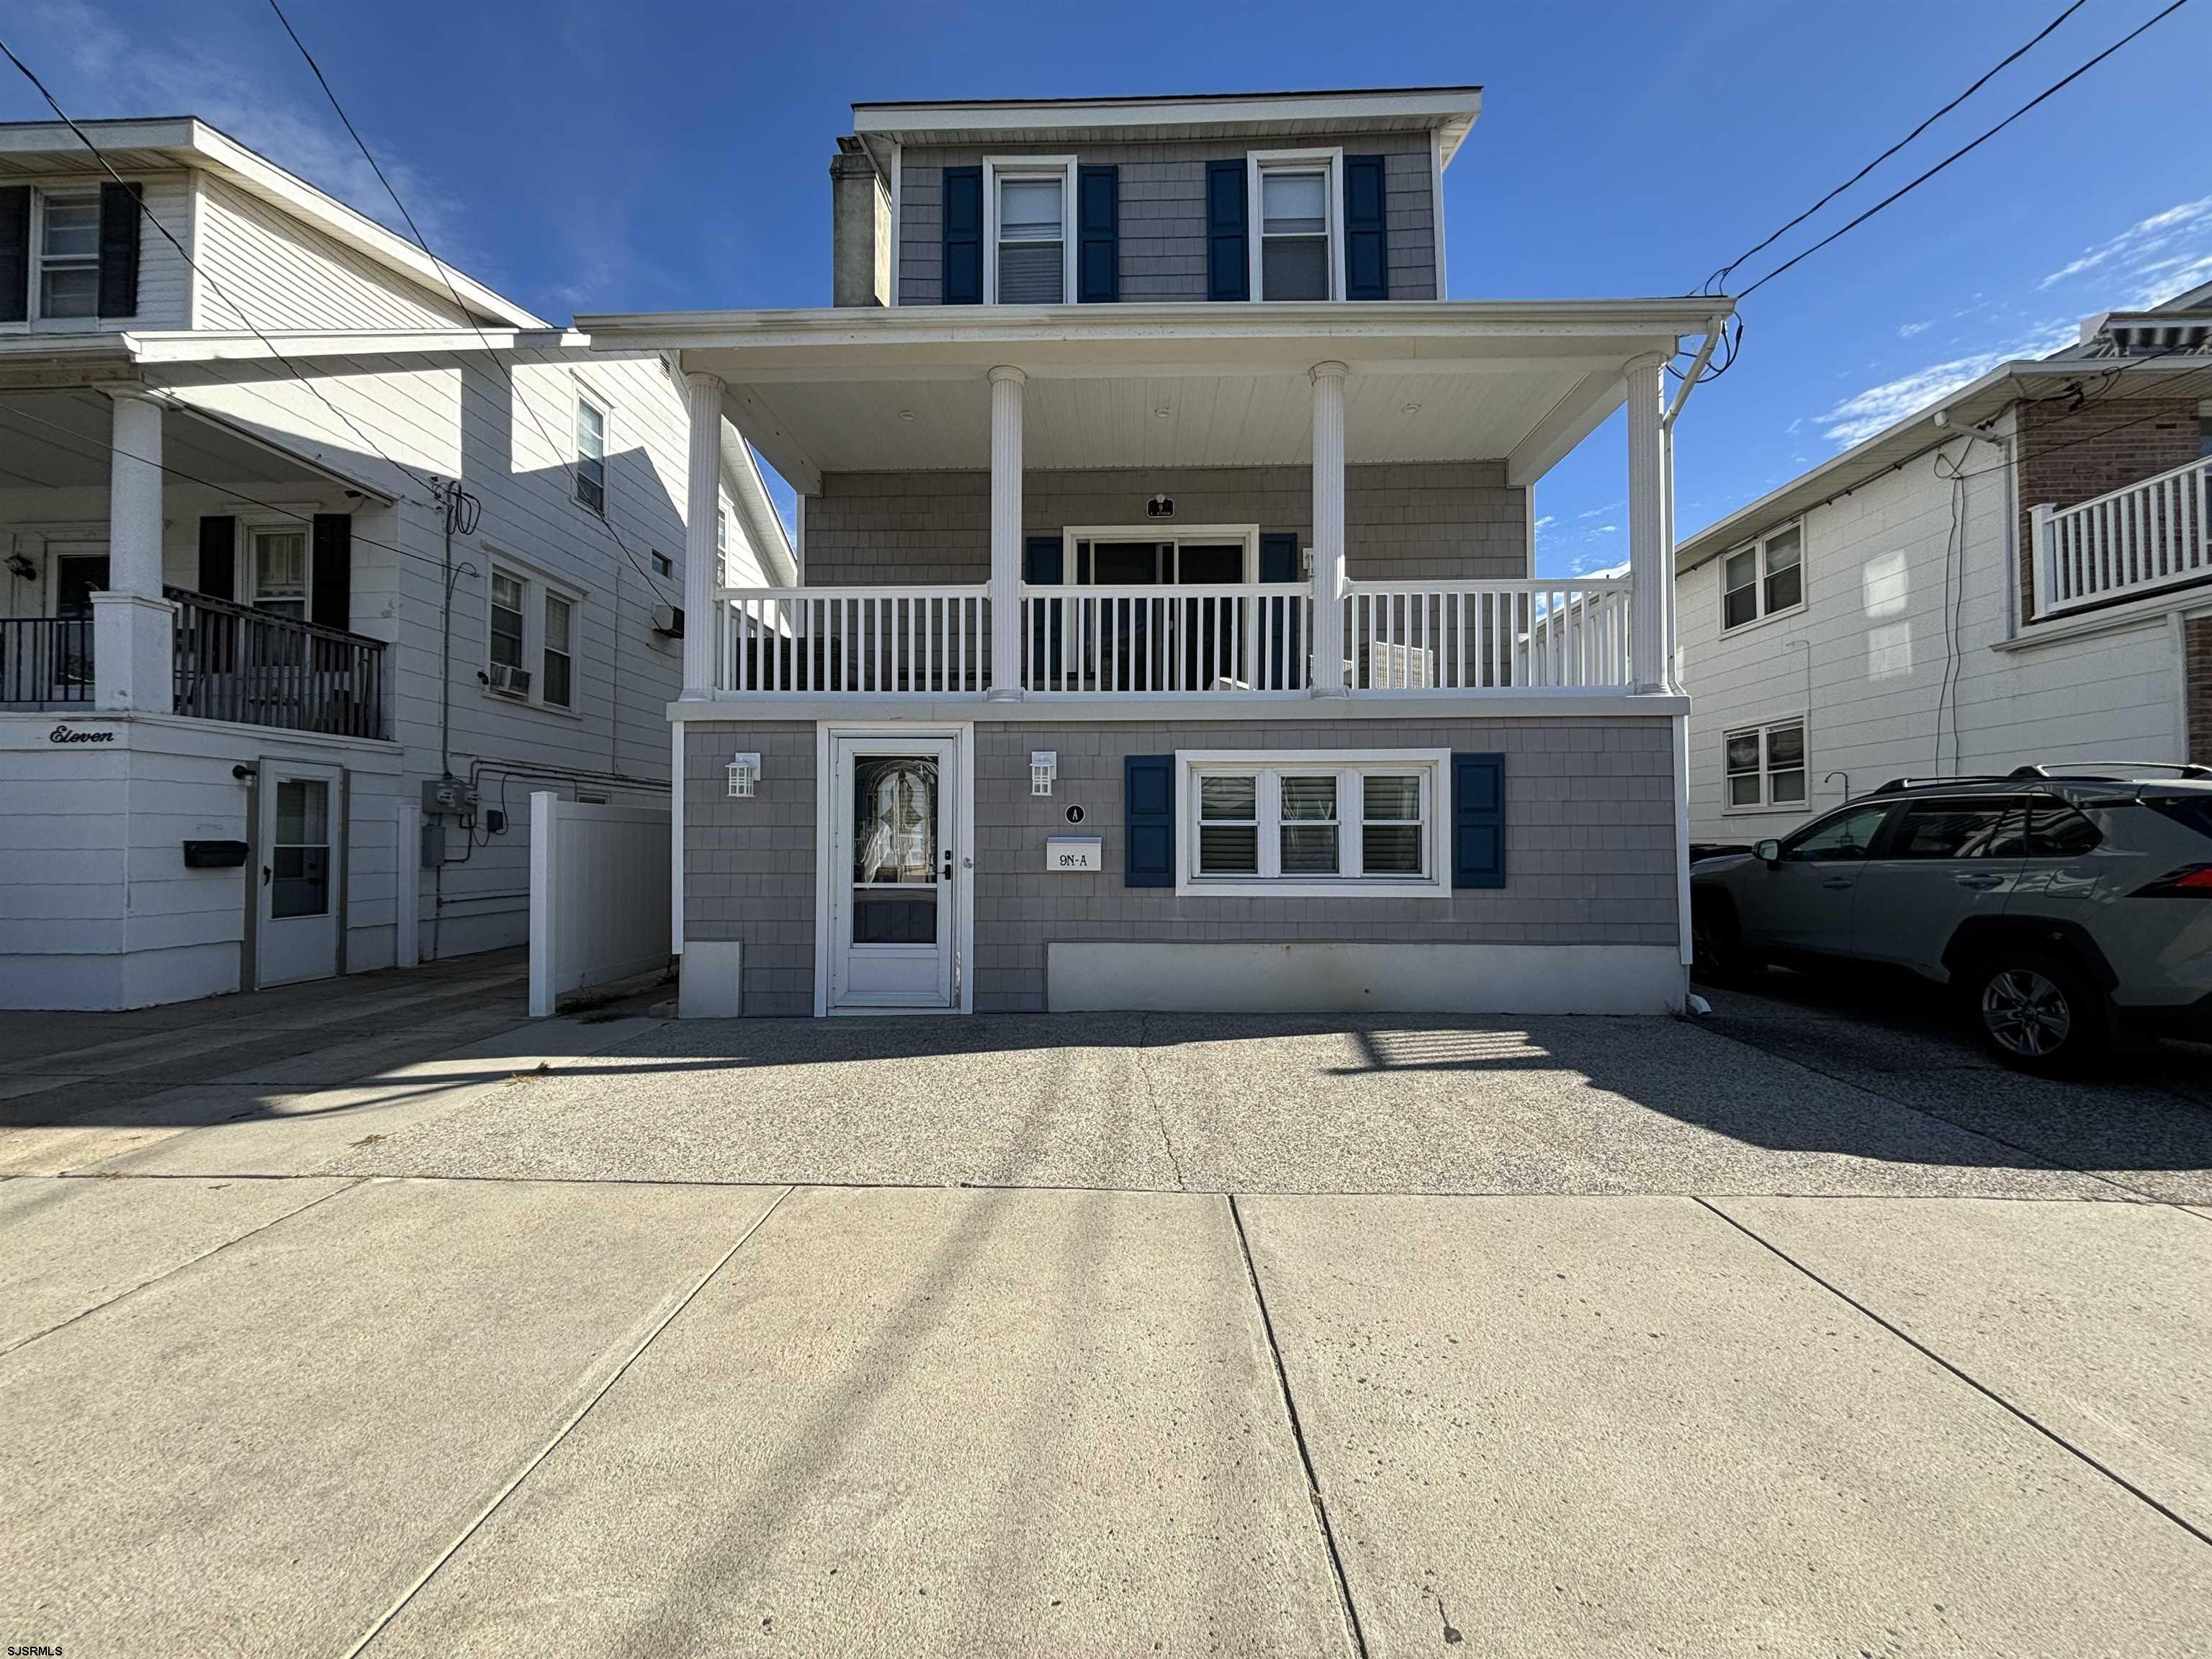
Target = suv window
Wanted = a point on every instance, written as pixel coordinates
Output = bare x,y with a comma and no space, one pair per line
2055,831
1848,834
1986,827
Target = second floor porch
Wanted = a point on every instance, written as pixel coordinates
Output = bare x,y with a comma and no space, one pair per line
1046,503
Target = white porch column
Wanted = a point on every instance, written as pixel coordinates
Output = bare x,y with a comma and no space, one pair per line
132,623
702,500
1007,383
1329,528
1649,577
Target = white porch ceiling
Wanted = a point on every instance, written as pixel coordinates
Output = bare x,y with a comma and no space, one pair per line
59,440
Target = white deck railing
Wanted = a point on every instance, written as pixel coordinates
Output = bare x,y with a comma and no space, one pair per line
1469,636
858,640
1176,640
2153,534
1241,637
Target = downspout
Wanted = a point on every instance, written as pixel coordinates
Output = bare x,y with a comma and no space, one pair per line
445,728
1685,949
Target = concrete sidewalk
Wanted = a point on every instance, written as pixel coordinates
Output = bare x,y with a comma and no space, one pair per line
1593,1337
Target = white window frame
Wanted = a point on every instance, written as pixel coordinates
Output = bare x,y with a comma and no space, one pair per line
1758,546
586,396
1433,766
33,309
537,588
1766,804
1158,530
1033,167
1260,161
247,564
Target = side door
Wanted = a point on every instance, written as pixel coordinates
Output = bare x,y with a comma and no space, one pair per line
1803,902
302,848
1943,863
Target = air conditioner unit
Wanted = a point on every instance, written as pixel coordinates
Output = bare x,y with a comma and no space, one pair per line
668,619
509,682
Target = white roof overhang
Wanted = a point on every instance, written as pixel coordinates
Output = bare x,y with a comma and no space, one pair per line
907,389
1448,111
1923,432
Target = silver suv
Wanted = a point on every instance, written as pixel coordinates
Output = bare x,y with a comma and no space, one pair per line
2065,906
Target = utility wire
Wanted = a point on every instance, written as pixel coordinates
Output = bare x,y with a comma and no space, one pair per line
1715,283
290,367
444,276
1967,148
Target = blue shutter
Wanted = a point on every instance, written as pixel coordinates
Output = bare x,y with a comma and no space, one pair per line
1228,260
1098,234
1279,618
1148,820
1366,230
1042,561
1478,821
963,237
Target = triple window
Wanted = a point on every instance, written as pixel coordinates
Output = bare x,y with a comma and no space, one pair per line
1311,826
1032,254
1764,579
1765,767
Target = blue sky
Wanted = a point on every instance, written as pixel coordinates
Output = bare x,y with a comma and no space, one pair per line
659,154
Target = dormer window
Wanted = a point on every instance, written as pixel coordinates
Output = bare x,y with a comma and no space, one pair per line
1298,252
1030,244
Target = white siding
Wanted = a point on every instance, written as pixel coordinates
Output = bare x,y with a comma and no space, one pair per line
1867,658
256,259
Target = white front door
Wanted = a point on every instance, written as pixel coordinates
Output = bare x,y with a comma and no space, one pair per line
893,920
303,845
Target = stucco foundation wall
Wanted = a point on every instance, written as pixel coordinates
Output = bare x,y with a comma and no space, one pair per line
1403,521
749,865
1589,834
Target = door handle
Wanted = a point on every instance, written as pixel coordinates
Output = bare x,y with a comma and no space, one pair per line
948,865
1838,884
265,875
1980,883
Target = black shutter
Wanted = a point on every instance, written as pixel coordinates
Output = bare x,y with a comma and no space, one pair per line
963,237
219,557
119,250
332,587
1098,234
1148,820
1478,821
1044,561
1366,230
15,254
1228,256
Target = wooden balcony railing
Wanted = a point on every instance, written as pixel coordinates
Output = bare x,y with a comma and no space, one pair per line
2155,533
234,663
45,661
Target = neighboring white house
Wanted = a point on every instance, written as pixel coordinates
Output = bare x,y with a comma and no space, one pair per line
302,538
2019,573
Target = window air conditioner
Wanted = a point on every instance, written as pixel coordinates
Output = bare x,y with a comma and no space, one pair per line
509,682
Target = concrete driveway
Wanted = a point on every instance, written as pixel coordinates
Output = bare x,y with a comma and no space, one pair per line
1797,1330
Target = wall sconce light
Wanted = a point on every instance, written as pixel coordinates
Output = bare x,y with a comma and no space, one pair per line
744,774
1044,767
22,569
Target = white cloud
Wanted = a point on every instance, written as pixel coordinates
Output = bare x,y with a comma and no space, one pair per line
1906,331
1547,520
2149,262
1862,415
1592,513
1605,530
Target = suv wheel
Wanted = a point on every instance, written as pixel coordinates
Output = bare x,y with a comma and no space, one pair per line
1716,945
2037,1011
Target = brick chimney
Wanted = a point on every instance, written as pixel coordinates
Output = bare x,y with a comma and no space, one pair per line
859,228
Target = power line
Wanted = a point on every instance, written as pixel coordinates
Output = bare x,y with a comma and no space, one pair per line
1715,283
444,276
290,367
1967,148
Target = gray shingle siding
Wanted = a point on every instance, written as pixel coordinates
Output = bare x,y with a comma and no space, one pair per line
1588,846
1403,521
1163,210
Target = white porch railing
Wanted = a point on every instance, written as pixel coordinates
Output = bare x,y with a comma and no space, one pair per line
1226,637
2155,533
1468,636
1176,640
859,641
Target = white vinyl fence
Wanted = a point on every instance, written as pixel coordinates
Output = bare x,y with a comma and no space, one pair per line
599,894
